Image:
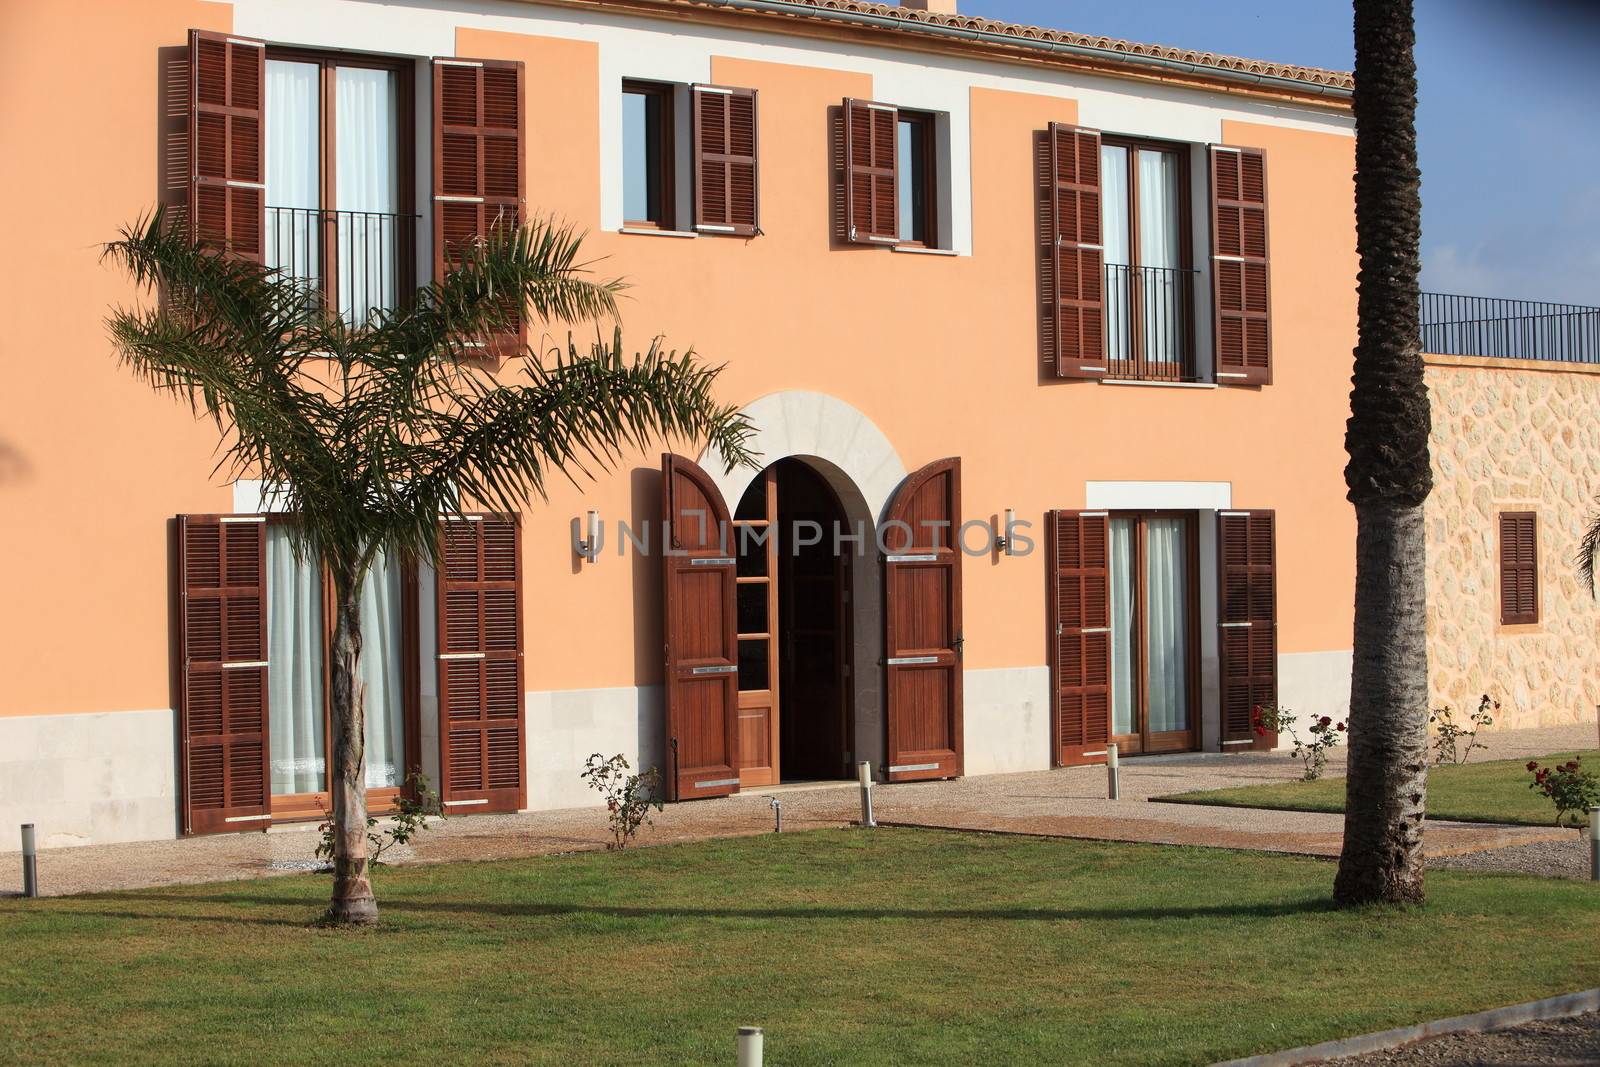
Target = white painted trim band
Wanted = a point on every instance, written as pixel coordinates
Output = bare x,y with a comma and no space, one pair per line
461,655
244,665
245,41
229,519
913,767
1244,742
465,803
457,199
456,63
714,783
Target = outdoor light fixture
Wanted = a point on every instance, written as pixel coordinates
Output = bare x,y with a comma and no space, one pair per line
589,547
1003,542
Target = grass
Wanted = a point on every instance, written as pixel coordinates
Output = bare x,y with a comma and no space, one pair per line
1494,791
889,946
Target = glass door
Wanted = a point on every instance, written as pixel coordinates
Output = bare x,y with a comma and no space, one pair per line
1154,632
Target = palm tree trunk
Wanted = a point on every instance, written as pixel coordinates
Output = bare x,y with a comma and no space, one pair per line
353,901
1389,477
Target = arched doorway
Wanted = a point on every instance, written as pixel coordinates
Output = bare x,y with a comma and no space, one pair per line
795,573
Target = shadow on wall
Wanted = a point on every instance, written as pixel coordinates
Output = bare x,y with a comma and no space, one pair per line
645,514
14,466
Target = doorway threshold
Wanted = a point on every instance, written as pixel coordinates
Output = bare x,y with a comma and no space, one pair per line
804,786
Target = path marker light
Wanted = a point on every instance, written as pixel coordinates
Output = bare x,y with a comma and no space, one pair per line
30,862
864,776
1113,773
750,1042
1594,843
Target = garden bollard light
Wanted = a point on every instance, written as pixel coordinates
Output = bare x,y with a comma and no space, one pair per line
30,862
777,814
1594,844
1113,780
750,1046
864,775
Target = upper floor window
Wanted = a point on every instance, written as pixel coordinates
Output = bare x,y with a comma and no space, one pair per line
339,176
918,193
649,155
1149,289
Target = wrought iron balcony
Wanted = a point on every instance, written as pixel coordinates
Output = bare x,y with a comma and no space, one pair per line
1509,329
373,256
1150,323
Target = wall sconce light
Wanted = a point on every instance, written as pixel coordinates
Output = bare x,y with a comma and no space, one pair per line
1003,542
589,546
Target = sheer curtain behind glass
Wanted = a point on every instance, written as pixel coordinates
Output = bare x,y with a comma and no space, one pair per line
1158,253
294,668
1167,621
293,193
366,181
1122,635
380,673
1114,231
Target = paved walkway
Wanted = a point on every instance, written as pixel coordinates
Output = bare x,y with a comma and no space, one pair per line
1063,803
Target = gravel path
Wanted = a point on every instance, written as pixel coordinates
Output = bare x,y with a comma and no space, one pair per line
1564,858
1571,1042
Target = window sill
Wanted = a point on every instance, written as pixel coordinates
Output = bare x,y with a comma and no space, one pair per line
649,231
919,250
1158,385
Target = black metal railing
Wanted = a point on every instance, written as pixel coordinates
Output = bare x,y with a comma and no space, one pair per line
373,254
1511,329
1150,323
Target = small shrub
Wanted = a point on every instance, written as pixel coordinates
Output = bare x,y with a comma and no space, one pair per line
1449,734
1570,787
410,819
629,797
1311,751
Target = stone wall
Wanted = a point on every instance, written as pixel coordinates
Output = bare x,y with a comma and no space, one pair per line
1512,435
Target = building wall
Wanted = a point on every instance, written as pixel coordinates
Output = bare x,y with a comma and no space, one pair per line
1512,435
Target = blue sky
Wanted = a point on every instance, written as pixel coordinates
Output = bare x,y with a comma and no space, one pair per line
1509,92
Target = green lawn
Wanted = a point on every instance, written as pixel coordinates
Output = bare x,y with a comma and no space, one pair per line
1496,791
849,946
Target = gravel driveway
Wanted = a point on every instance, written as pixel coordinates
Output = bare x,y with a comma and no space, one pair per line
1571,1042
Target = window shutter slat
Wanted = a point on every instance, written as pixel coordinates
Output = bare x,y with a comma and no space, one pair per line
1519,568
1071,254
1248,618
225,201
1080,634
481,765
222,699
726,198
1239,266
478,173
868,172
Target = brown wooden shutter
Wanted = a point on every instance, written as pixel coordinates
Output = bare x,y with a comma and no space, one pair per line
922,625
1080,629
702,650
1239,268
869,179
726,187
226,202
1071,256
478,173
1519,567
481,763
222,648
1248,638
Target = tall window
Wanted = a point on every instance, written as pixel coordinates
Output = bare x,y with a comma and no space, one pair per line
648,155
1152,630
915,169
1145,225
1519,567
339,176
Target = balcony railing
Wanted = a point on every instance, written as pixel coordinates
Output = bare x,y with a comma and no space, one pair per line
1150,323
1509,329
373,255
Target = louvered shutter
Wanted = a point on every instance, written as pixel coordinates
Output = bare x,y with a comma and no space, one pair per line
1071,256
922,625
226,195
702,649
481,765
222,700
1239,268
726,193
868,178
1080,628
1248,638
1519,567
478,171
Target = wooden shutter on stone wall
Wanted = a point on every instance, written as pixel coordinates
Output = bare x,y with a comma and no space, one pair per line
1519,567
1071,255
478,173
226,198
481,763
1248,637
1080,628
1239,266
726,192
222,650
869,179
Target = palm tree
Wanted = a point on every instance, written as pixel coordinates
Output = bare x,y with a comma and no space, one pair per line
1388,477
369,433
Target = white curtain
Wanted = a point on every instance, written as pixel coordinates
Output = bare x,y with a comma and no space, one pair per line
1167,621
380,673
294,668
1158,253
1114,231
293,185
1122,635
366,184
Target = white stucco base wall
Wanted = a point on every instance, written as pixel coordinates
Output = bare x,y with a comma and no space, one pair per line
565,727
91,778
1006,720
1314,683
